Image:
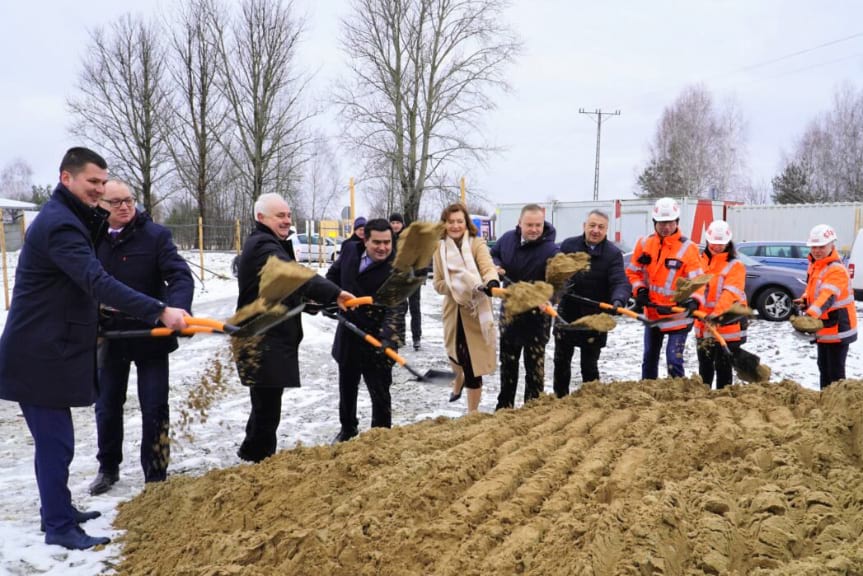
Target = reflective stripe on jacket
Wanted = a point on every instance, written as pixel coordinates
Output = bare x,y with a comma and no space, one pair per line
725,288
830,298
656,264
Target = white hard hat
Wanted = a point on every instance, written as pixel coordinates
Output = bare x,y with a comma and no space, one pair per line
821,235
666,210
718,232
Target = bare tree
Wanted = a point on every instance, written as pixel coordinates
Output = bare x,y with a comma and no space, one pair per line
121,103
199,111
322,183
827,163
423,72
16,180
698,150
257,77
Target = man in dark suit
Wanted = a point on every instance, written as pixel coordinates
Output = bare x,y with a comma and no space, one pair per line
48,348
605,281
141,254
273,364
362,272
521,254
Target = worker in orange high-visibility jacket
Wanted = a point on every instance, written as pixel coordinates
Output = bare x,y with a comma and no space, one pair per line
656,264
719,258
828,296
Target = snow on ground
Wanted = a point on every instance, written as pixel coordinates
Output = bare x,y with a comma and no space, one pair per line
310,413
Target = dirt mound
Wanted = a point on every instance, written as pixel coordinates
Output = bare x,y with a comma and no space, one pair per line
659,477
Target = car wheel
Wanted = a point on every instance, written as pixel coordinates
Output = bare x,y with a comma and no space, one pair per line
774,304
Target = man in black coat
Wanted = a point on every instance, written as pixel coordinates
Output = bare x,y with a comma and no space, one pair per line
604,281
48,347
273,365
521,255
141,254
362,273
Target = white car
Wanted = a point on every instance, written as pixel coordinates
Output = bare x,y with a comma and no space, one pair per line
311,248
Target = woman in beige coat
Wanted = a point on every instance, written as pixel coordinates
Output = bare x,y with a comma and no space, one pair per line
465,274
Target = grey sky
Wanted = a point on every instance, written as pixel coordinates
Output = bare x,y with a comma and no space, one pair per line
634,56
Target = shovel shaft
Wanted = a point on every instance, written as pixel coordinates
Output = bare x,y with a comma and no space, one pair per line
701,315
157,332
217,325
619,309
392,354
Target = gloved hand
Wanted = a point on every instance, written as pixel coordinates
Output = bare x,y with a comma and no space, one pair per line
489,285
691,305
387,343
712,319
617,304
666,310
642,298
800,306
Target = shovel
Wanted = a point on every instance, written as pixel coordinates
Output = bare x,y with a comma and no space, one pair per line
747,364
398,287
618,309
255,327
431,376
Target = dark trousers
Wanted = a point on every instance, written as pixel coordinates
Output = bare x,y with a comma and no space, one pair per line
264,418
155,415
831,363
54,441
712,359
378,375
515,340
416,317
563,352
653,338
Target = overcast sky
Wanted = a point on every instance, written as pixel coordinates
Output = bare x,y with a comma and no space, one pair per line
780,60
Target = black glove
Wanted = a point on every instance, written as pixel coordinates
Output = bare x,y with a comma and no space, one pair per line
691,305
617,304
666,310
491,284
312,307
642,298
387,343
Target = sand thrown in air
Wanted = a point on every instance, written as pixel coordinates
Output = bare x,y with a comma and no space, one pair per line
651,477
417,244
560,267
280,279
598,322
806,324
684,287
520,297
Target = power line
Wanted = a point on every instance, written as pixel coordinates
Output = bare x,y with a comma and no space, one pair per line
599,114
790,55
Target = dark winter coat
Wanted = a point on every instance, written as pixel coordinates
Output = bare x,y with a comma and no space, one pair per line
143,257
526,262
605,281
48,348
375,320
274,362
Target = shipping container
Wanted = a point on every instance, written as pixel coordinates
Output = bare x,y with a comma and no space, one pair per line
793,221
628,219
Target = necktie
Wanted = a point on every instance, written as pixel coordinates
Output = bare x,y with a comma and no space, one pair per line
113,234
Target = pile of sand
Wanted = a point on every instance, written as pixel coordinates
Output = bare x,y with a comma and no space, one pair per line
660,477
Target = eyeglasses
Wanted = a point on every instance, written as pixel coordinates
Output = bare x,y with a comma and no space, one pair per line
130,201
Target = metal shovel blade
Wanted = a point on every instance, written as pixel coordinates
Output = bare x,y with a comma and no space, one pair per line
435,376
398,288
749,367
264,321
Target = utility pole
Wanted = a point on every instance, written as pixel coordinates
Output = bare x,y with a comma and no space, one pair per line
599,114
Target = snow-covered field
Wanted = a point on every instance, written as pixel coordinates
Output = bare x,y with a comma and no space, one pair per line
309,414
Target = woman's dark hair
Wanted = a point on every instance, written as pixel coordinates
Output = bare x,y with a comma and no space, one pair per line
729,249
452,209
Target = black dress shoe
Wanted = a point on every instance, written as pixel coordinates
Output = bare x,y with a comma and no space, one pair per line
103,482
417,345
345,435
80,517
453,397
76,539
